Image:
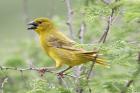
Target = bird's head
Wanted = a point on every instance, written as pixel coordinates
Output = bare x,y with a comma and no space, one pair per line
41,25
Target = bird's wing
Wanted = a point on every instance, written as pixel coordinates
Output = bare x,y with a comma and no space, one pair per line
60,39
62,43
56,42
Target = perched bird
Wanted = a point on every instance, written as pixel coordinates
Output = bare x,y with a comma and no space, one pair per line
59,47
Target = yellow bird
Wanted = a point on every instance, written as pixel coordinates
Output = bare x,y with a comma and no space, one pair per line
59,47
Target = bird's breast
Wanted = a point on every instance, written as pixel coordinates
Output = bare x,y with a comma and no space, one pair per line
46,47
44,44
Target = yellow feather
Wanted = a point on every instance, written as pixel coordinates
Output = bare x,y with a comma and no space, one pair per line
60,48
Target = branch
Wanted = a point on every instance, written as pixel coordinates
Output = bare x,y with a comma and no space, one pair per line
90,70
135,74
69,17
109,21
81,32
3,83
102,39
42,71
93,63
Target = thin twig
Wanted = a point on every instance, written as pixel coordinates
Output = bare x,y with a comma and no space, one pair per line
81,32
69,17
102,39
92,65
78,69
40,70
89,73
135,74
80,35
90,70
3,83
109,22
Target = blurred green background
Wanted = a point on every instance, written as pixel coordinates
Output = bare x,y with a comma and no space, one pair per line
13,20
20,47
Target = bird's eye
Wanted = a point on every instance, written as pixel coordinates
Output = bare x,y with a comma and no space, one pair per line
39,22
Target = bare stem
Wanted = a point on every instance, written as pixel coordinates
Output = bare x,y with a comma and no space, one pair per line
81,32
135,74
40,70
102,39
109,22
69,17
90,70
3,83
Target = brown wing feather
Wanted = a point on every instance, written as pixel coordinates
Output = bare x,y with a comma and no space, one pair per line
57,42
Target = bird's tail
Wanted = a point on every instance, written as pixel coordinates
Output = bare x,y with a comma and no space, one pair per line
101,61
95,57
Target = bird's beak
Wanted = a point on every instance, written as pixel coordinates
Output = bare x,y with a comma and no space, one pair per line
33,25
